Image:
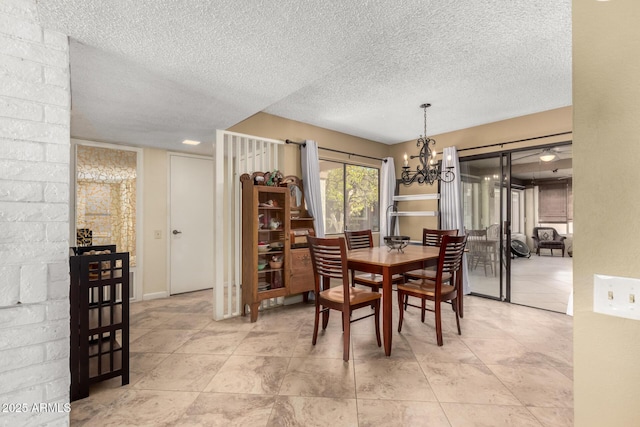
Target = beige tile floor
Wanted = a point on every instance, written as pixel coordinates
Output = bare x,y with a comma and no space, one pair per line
540,281
512,366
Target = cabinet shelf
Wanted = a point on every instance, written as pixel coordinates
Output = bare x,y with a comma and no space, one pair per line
270,270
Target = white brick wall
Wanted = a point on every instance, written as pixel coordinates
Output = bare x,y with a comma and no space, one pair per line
34,215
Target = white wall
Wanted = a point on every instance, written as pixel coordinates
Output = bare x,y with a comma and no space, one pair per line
34,215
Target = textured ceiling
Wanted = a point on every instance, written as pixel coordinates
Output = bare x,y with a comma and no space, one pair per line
155,72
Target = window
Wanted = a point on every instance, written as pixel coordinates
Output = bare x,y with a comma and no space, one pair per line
106,198
350,197
554,203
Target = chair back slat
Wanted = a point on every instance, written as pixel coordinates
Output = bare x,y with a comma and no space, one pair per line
359,239
432,237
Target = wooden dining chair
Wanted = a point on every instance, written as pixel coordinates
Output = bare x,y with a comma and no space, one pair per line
449,263
329,260
364,239
430,237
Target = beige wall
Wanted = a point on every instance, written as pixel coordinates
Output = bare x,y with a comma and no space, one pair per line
274,127
155,218
606,90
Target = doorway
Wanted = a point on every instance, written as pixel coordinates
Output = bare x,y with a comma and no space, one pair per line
505,196
190,228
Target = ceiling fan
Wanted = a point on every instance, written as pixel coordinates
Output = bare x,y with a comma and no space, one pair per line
547,154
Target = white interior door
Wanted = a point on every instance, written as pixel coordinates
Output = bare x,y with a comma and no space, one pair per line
191,223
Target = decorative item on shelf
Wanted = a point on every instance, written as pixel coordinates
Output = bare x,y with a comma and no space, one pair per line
274,224
396,242
263,247
276,262
262,264
275,178
277,245
84,237
429,170
258,180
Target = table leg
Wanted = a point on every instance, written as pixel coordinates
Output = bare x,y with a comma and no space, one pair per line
386,310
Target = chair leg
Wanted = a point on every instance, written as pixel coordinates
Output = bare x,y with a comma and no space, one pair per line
406,302
315,323
401,315
454,304
346,335
438,323
424,309
377,320
325,319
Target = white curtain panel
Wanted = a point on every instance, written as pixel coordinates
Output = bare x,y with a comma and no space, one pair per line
451,204
387,191
310,163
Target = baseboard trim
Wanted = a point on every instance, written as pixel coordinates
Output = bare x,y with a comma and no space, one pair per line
155,295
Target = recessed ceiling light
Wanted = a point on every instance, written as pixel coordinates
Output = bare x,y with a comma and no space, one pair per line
190,142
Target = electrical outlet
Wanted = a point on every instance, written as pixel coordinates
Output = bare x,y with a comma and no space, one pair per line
157,234
616,296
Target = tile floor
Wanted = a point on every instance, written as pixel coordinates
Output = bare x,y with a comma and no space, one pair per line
512,366
540,281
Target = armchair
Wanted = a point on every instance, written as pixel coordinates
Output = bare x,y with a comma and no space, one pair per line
547,238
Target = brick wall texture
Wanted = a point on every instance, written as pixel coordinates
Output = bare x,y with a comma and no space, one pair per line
34,218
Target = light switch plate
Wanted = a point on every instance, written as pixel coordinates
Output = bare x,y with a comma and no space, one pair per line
616,296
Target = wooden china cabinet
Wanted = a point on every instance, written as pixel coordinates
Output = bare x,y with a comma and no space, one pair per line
275,257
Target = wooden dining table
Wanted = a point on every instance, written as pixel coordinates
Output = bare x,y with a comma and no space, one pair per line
381,260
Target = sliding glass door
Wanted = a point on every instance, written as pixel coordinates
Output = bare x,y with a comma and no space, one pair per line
484,189
505,196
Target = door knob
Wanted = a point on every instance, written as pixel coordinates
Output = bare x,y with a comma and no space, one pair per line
176,232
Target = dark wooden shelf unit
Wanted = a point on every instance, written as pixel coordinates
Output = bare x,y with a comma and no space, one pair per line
99,299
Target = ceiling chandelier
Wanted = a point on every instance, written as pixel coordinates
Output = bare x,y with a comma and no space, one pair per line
428,170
